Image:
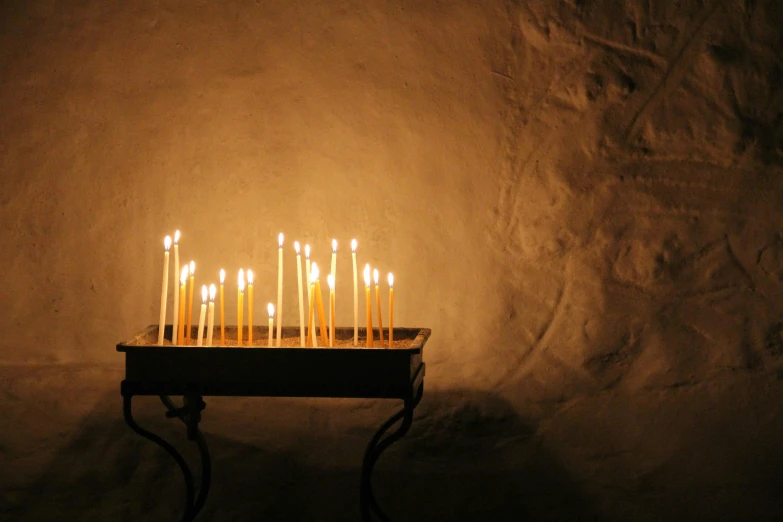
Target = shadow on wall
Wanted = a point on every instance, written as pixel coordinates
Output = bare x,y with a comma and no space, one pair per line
467,457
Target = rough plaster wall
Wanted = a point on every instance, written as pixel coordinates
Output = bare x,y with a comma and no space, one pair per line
581,198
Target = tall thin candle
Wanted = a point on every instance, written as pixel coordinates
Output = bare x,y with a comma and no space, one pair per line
391,309
190,301
355,296
222,308
378,302
270,308
333,270
299,293
202,315
369,305
279,287
211,314
175,315
164,290
183,280
240,304
311,321
320,303
330,281
249,307
310,295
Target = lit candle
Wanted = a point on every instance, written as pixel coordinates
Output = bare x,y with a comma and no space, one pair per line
330,281
165,290
299,286
333,270
270,308
355,296
320,304
240,304
190,301
175,318
310,295
222,308
279,287
183,280
391,309
203,315
249,307
312,338
378,302
211,314
369,305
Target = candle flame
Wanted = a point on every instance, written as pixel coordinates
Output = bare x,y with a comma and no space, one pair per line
314,272
270,308
249,276
192,268
241,285
222,276
330,281
353,245
296,247
375,276
183,277
307,251
176,237
212,292
204,293
367,275
167,243
241,278
280,240
334,246
391,280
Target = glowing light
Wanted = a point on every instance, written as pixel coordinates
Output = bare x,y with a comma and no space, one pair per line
241,280
222,276
204,293
334,245
270,308
353,245
391,279
314,272
367,275
176,237
249,276
167,243
212,292
375,276
192,268
296,247
330,281
183,278
280,240
307,251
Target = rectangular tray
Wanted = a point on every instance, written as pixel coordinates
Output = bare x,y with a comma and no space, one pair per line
274,372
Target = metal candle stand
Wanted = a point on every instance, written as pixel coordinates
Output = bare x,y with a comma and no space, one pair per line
194,372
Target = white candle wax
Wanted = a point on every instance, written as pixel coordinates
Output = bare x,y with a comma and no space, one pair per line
164,290
202,316
279,287
211,314
175,321
309,296
299,286
355,295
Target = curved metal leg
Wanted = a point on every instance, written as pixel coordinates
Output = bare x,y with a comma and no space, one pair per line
378,444
183,466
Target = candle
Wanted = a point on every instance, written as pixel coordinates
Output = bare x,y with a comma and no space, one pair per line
355,296
222,308
299,286
240,304
320,303
279,286
202,315
333,270
164,291
378,302
312,338
183,280
330,281
310,295
175,318
369,306
211,314
391,309
249,307
190,302
270,308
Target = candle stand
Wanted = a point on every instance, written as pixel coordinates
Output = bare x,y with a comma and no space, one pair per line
344,372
